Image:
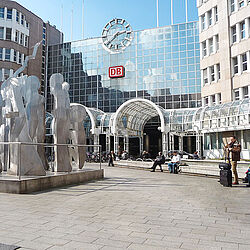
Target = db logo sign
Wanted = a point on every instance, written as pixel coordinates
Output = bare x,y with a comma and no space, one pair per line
116,72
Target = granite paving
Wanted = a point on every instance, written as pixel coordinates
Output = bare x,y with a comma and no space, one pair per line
130,209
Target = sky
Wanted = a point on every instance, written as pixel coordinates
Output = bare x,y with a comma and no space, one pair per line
141,14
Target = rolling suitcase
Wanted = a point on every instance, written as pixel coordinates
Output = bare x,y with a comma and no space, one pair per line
225,174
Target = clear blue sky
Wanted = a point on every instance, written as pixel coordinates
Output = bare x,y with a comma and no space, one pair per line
141,14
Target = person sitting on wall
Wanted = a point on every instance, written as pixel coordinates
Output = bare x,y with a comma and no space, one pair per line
196,156
175,161
234,148
160,159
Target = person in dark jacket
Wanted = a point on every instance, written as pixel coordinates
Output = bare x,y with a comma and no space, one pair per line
234,148
111,157
160,159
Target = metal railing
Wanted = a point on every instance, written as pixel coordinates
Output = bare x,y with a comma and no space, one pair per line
49,154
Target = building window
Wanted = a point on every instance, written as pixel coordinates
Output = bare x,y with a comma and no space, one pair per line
17,16
1,12
204,49
216,13
217,42
6,73
27,25
206,100
15,56
241,3
22,19
26,41
8,34
7,54
1,32
1,53
219,98
245,92
203,22
234,34
213,99
210,20
211,45
235,65
244,61
9,14
218,69
205,78
236,94
22,38
242,30
17,36
20,58
212,74
232,6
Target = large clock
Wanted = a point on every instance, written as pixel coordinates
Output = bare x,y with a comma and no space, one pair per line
117,35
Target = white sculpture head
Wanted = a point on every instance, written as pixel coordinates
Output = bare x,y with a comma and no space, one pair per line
65,86
77,113
56,81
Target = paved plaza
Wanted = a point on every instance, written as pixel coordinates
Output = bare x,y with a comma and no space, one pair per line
130,209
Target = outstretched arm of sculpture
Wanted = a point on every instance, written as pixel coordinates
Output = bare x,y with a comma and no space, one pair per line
33,56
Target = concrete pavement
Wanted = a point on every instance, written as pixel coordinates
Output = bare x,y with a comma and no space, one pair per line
130,209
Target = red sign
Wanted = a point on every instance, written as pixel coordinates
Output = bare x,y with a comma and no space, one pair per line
116,71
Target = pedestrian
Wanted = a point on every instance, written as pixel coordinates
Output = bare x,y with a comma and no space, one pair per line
175,161
160,159
196,156
111,157
233,148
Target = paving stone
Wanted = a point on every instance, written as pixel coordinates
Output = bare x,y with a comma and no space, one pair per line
132,209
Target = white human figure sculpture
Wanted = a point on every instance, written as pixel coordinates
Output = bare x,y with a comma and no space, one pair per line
61,122
35,111
31,163
77,134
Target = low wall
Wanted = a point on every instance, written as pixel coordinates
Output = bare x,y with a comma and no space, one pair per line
29,185
202,167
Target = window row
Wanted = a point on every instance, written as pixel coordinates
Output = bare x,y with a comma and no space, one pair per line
210,74
13,14
240,31
17,36
210,46
11,55
235,5
209,18
241,93
241,63
211,100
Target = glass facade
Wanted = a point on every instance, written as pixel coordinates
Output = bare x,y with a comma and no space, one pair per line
161,64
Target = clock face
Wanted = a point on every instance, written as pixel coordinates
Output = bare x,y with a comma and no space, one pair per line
117,35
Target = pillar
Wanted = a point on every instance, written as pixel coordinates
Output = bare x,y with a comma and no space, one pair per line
141,144
116,144
107,143
238,34
241,94
181,142
126,143
96,142
165,143
171,137
198,143
239,60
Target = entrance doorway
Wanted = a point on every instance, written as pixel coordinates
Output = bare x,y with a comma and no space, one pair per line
102,142
152,139
134,146
189,144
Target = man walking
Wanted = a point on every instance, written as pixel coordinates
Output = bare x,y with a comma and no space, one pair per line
111,157
160,159
234,148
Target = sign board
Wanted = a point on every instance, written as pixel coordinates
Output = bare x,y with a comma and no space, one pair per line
116,71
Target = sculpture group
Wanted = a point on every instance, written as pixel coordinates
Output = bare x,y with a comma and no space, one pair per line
22,119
